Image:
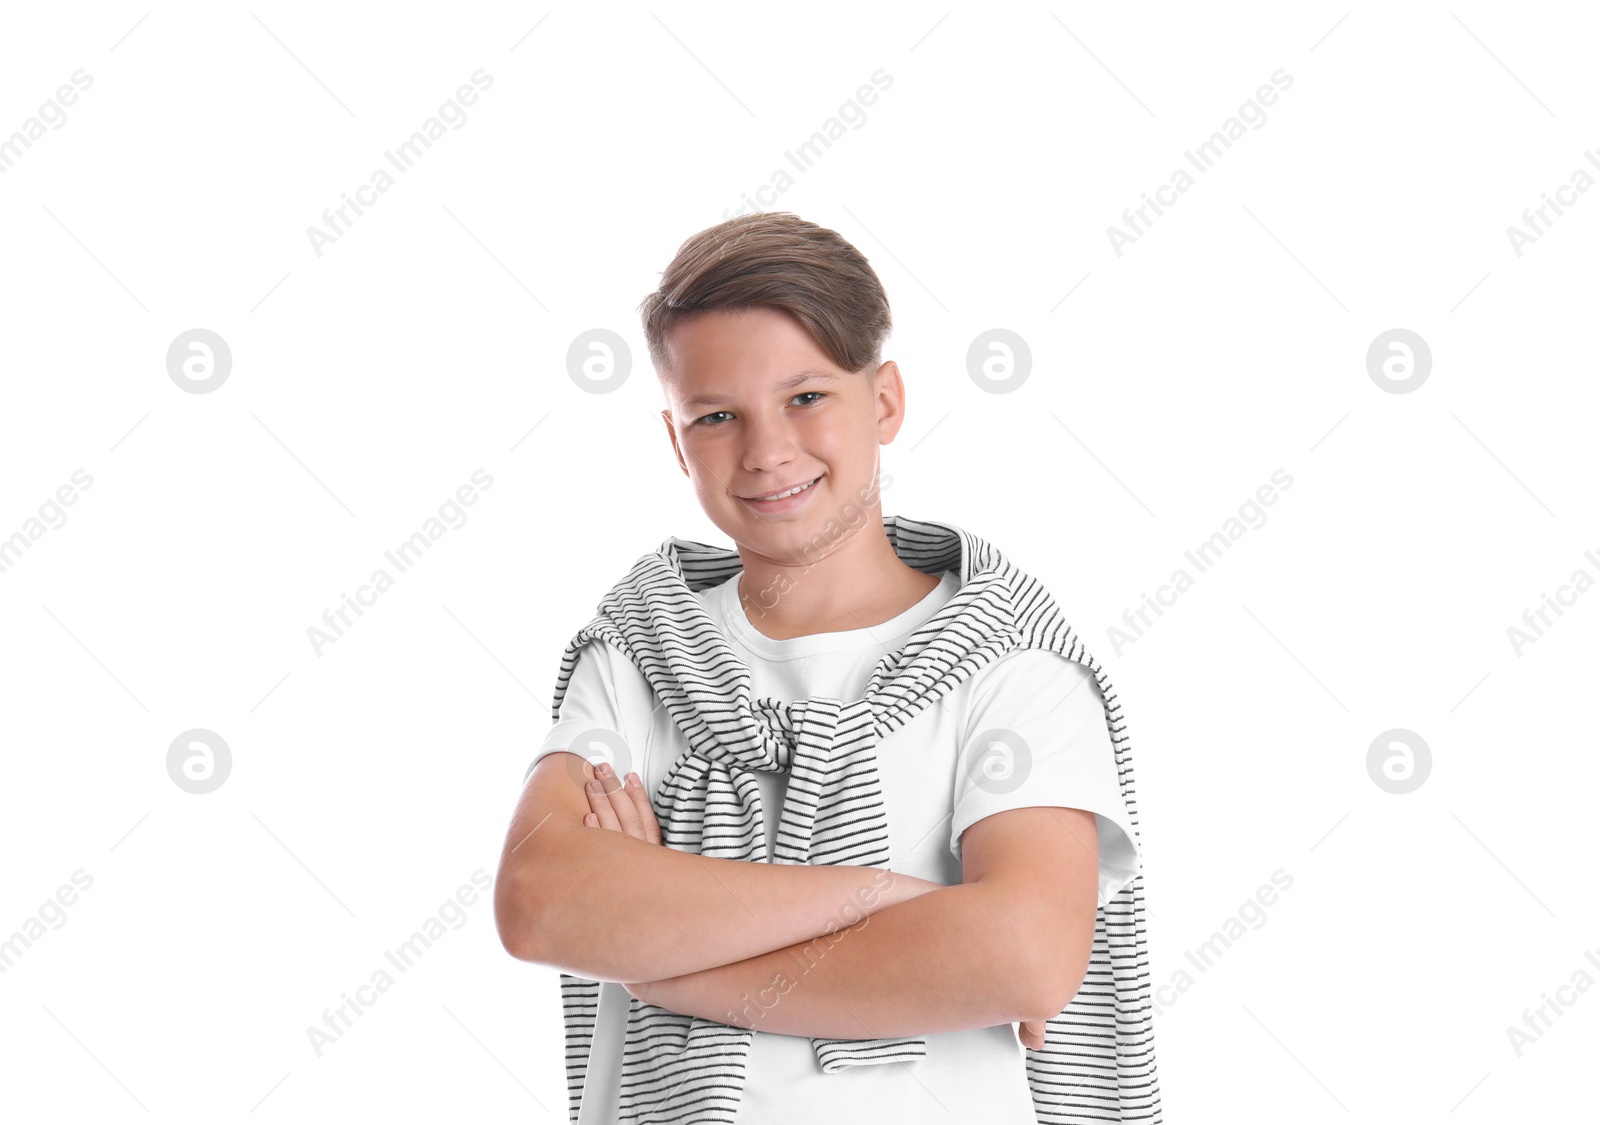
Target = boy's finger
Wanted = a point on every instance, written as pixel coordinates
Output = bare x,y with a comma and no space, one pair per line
591,820
601,805
647,814
622,804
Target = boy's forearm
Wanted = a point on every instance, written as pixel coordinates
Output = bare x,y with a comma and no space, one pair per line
948,960
606,906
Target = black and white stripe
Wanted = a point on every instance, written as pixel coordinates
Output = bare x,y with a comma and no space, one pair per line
1098,1062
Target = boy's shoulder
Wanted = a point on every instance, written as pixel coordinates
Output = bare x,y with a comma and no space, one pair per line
1030,673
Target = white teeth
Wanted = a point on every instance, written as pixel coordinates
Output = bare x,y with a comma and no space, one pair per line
791,492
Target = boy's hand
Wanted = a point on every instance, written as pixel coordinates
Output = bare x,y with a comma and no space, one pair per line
1031,1032
622,807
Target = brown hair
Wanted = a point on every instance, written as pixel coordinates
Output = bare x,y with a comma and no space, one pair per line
777,260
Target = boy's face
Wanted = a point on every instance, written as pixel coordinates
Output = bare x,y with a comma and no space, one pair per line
756,408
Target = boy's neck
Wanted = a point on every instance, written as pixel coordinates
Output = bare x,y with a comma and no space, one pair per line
859,584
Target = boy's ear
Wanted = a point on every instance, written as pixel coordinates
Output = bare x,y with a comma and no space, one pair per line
672,433
890,396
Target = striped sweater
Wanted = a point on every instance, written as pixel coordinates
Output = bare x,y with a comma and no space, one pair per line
1098,1063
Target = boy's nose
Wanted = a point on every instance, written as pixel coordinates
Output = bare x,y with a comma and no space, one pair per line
767,447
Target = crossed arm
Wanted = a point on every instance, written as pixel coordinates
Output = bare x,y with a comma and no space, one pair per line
852,954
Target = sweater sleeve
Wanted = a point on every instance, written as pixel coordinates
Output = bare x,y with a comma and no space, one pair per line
1035,734
600,713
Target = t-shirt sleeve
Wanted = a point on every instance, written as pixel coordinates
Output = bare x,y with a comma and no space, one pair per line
1036,735
604,714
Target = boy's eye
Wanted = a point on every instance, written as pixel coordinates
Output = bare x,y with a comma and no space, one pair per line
706,418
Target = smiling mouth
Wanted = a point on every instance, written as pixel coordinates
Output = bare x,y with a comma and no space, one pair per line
785,493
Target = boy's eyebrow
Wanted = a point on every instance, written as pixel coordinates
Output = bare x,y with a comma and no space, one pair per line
782,385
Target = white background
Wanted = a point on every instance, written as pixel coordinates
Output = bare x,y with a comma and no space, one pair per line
371,780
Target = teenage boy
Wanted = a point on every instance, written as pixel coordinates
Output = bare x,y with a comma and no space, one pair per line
846,719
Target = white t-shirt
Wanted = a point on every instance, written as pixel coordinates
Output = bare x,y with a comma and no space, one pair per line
1052,703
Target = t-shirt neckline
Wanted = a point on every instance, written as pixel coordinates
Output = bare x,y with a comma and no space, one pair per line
739,627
